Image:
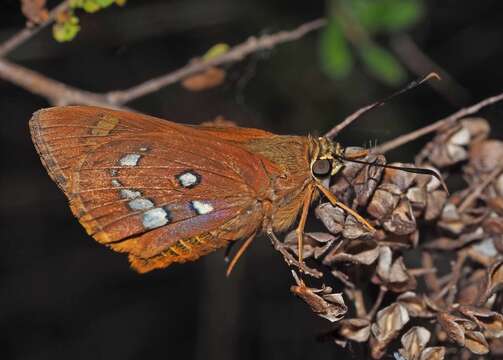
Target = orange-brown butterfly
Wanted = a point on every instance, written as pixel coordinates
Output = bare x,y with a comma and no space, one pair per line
165,192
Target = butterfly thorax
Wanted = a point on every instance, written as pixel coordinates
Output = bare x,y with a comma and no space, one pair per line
294,158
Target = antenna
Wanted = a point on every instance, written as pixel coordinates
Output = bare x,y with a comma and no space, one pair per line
423,171
360,112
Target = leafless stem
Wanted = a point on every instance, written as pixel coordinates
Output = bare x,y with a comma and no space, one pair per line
431,279
357,294
377,304
237,53
20,37
289,258
473,195
61,94
404,139
55,91
452,286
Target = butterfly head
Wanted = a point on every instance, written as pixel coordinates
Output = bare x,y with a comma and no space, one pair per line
326,160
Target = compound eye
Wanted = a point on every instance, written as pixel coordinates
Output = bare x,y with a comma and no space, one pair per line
322,167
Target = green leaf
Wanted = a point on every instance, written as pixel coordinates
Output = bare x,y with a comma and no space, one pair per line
335,55
382,64
67,30
387,15
215,51
104,3
403,14
91,6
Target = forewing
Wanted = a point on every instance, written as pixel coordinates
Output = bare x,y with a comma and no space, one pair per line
141,185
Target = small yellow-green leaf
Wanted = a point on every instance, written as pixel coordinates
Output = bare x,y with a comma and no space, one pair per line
66,31
382,64
335,55
215,51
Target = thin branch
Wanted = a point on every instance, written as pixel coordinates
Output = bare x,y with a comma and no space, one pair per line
377,303
237,53
56,92
62,94
473,195
445,122
20,37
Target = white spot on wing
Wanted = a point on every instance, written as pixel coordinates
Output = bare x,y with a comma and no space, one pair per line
155,218
129,160
141,204
116,183
202,207
129,194
188,179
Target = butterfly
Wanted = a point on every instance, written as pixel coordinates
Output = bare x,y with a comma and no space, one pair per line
165,193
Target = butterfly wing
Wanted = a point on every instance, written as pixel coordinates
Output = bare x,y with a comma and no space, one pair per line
160,191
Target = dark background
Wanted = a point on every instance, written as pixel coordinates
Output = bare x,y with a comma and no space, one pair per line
63,296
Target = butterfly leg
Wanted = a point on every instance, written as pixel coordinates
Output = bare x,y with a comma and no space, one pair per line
302,223
333,200
240,252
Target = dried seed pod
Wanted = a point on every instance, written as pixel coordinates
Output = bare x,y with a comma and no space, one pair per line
414,342
451,219
356,251
393,275
417,197
358,181
493,281
490,321
402,220
402,179
322,301
477,127
435,203
472,288
485,156
415,305
455,327
476,342
384,201
355,329
332,217
449,145
390,321
433,353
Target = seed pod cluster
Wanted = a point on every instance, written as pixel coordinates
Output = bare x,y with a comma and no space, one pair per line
432,273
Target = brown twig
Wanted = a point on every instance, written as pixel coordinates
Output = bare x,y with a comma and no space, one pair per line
62,94
451,287
377,303
431,279
473,195
404,139
20,37
237,53
56,92
359,302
